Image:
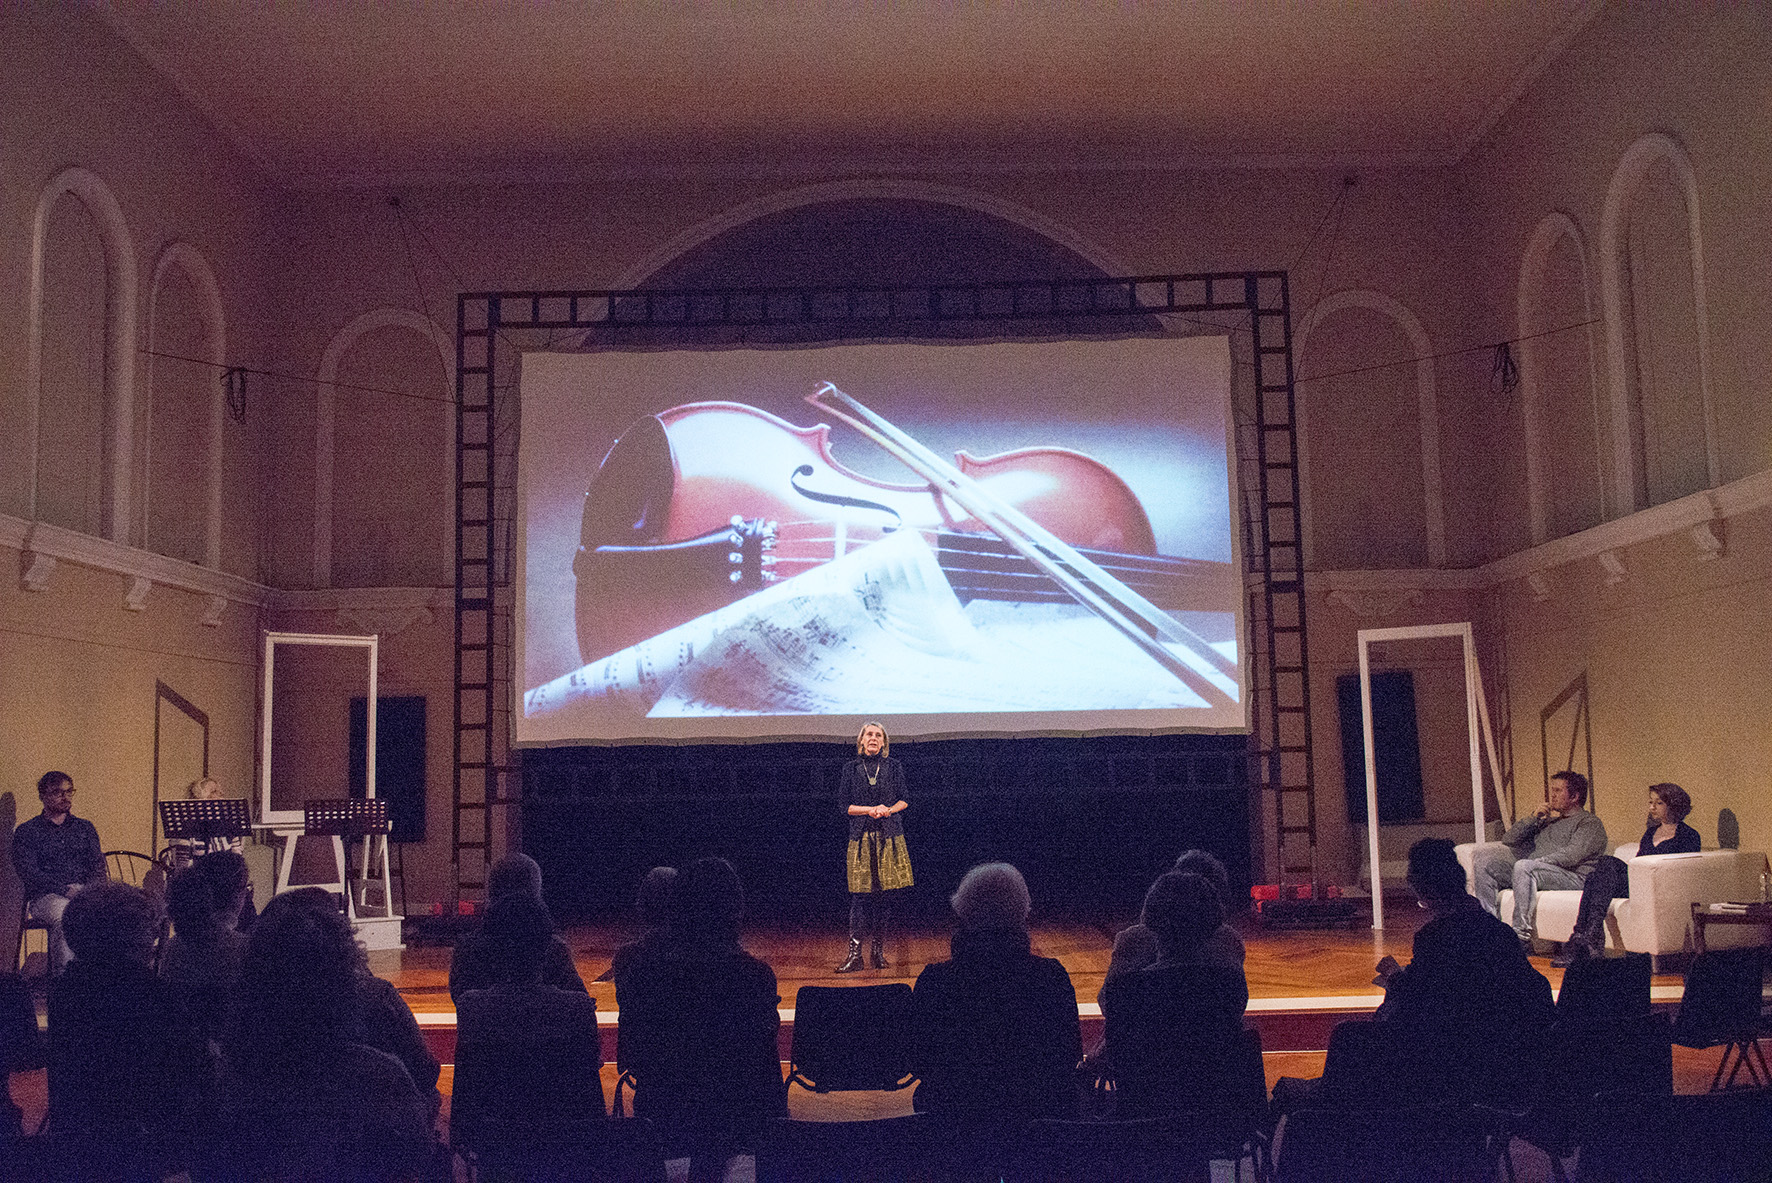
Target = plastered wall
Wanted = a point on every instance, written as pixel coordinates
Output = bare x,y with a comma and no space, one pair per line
1676,651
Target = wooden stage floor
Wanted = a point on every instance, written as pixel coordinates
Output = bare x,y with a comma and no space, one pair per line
1301,982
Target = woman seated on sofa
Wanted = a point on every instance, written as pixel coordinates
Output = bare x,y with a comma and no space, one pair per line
1667,833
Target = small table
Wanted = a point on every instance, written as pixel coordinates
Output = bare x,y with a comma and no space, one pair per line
1703,914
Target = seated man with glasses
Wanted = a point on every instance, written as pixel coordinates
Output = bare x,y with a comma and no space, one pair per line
56,855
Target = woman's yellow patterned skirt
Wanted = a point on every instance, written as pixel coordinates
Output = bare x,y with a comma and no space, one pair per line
895,863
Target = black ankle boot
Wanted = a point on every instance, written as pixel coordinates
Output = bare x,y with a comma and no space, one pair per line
878,952
854,963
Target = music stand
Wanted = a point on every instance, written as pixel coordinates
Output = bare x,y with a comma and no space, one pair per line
201,822
346,819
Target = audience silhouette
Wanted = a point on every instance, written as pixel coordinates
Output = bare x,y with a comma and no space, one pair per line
527,1052
699,1023
303,1096
117,1071
997,1038
475,963
1171,1026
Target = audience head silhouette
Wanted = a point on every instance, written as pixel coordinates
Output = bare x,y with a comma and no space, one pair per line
110,923
1435,874
707,902
992,895
192,906
225,875
654,902
519,932
1182,909
297,980
512,874
1204,862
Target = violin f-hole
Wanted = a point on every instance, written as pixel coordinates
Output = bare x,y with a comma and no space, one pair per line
806,470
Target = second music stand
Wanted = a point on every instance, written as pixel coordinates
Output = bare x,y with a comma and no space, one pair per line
346,819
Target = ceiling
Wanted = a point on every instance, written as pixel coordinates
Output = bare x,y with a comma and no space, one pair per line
350,92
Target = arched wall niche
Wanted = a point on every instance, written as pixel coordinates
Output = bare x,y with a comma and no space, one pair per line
1377,432
1567,455
180,461
970,219
376,522
1657,331
48,365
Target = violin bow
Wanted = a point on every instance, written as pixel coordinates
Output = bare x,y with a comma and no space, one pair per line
1135,617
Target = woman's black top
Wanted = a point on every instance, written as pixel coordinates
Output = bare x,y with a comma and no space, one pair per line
1684,841
888,789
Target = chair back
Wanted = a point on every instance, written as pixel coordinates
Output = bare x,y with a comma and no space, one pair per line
1629,1054
1723,1137
1441,1144
526,1092
1596,989
1178,1146
1722,999
884,1150
852,1037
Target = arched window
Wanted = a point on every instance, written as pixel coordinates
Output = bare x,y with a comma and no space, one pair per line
82,357
1565,454
385,493
1657,352
1369,437
182,461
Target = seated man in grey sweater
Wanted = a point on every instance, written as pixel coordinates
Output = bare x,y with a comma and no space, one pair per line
1551,849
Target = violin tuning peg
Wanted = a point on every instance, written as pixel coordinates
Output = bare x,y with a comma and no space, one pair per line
737,521
734,557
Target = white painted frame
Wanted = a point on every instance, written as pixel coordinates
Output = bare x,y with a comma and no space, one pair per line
283,819
1476,711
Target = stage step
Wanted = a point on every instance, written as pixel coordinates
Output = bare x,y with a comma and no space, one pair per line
1286,1024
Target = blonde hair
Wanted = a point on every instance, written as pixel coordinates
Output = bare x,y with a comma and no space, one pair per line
885,740
194,790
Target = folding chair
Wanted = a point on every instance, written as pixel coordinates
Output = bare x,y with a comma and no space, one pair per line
852,1037
1441,1144
1721,1008
886,1150
1597,989
1721,1137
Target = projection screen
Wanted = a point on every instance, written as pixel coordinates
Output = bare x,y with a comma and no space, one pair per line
982,538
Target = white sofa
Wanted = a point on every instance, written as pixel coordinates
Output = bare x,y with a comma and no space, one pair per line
1657,918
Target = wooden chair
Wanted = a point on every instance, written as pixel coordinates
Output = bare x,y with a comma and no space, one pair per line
28,923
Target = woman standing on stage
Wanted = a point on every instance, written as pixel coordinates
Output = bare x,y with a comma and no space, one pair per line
871,791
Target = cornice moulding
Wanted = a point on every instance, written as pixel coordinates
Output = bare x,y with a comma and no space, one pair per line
101,554
1697,515
144,568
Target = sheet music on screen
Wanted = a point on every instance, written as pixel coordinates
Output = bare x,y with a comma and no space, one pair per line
703,554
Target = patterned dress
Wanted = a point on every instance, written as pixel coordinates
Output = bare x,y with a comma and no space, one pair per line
878,859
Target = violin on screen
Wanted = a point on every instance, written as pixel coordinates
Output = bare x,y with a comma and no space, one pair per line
702,504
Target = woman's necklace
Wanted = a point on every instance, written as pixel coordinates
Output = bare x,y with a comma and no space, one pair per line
874,776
